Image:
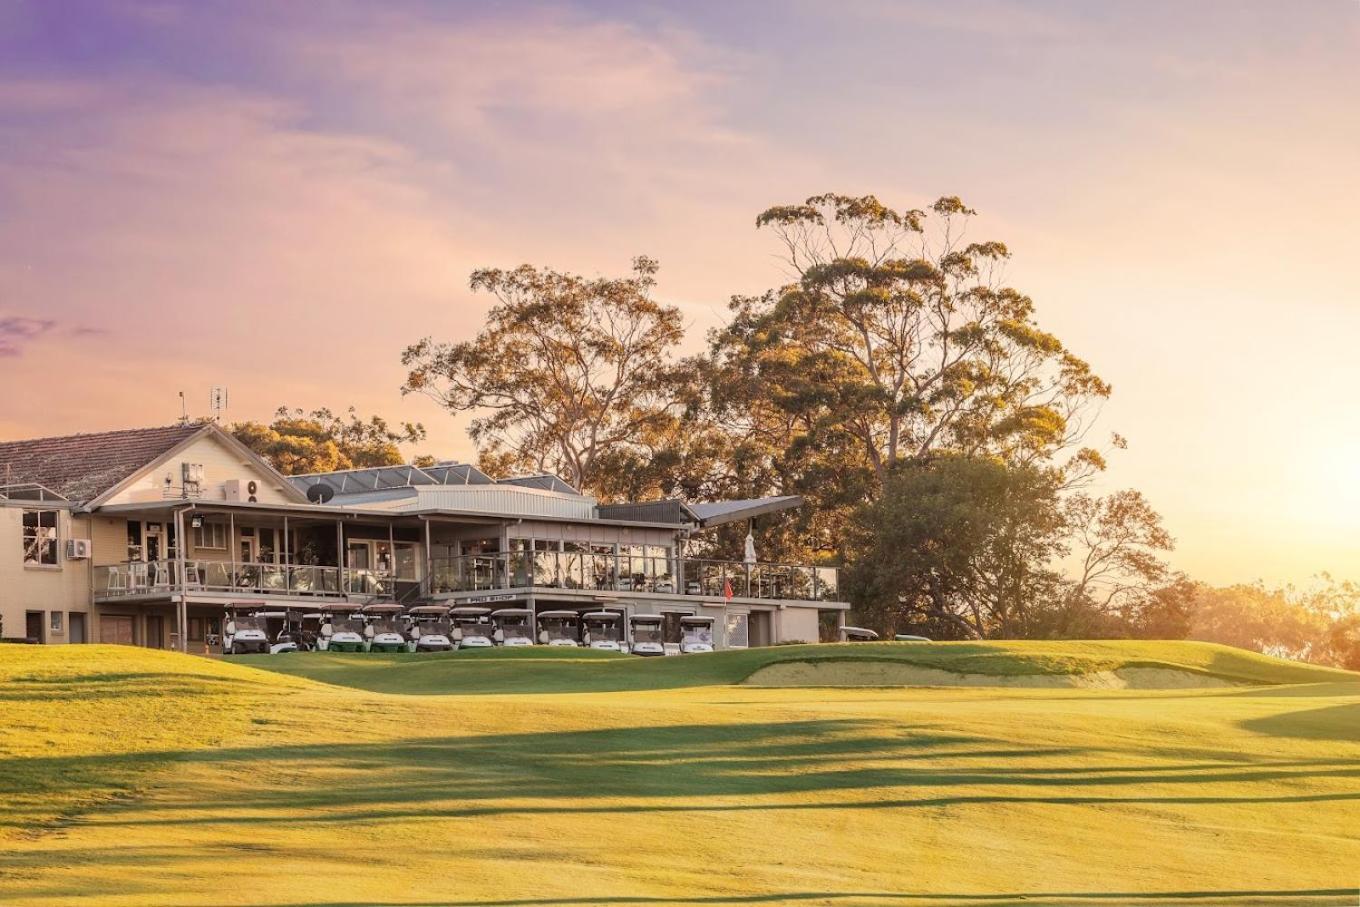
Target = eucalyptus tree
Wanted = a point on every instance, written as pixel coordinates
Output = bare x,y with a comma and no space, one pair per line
570,375
898,337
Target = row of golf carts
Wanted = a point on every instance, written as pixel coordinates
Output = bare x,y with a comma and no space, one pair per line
438,628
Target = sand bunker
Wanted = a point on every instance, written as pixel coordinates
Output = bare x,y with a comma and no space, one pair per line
900,674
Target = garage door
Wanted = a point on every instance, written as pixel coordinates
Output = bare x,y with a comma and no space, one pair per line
116,630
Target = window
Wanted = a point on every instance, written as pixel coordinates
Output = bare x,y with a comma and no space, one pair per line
56,622
211,535
40,537
134,540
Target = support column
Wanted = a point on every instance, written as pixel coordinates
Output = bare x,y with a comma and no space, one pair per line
427,581
340,556
182,607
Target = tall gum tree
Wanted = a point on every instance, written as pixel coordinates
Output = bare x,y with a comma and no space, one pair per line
570,375
898,339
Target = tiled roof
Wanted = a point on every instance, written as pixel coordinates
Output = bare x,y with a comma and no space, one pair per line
82,467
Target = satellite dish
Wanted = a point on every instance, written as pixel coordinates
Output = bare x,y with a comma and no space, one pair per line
320,493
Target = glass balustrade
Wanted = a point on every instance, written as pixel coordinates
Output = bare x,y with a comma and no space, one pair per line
584,571
154,577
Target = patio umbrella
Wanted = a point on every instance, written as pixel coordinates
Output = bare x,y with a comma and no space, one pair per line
750,549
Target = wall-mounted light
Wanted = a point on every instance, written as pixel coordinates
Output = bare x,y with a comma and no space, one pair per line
196,521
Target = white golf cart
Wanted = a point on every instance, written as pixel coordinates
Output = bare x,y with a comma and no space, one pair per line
696,634
472,627
429,629
647,631
602,630
282,629
514,626
243,632
342,629
858,634
385,627
559,628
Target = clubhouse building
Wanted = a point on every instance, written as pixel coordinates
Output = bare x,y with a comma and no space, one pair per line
146,536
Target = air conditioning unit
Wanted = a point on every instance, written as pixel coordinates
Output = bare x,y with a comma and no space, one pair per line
241,490
78,549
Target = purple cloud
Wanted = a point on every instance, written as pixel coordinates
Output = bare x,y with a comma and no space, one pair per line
16,332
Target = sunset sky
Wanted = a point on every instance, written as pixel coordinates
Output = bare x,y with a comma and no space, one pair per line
278,197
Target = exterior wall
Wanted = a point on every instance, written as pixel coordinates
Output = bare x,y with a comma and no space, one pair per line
220,464
797,623
64,587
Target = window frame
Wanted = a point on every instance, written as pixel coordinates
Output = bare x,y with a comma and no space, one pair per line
29,535
218,533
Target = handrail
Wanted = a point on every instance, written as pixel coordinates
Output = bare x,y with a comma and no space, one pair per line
589,572
150,577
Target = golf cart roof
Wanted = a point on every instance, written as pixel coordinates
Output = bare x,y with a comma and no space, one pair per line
862,632
382,608
251,607
602,615
312,614
428,609
574,615
339,608
512,612
696,619
470,611
283,612
646,619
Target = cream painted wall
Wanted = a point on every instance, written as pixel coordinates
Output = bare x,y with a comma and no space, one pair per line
64,587
220,462
795,623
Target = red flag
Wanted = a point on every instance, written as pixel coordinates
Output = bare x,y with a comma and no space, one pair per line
727,589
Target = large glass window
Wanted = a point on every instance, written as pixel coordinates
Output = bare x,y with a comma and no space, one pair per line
40,537
407,562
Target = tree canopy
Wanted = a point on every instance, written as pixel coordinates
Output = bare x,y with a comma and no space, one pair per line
298,442
899,338
571,375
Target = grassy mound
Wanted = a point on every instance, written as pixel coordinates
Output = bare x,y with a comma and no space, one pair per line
84,724
544,670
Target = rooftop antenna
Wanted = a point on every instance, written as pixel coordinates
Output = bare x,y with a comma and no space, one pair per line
183,410
217,402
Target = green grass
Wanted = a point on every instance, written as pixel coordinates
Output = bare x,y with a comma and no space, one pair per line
582,671
133,778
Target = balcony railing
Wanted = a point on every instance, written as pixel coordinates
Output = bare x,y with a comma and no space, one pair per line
628,573
152,577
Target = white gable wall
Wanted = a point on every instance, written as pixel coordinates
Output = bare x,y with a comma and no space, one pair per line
220,462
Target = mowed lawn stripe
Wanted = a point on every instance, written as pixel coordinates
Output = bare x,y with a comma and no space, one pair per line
698,792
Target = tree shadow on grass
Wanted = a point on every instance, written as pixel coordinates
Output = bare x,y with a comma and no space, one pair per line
649,769
1334,722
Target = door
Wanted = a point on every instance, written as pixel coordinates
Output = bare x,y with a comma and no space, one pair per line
77,627
761,628
738,631
115,629
155,632
153,541
33,626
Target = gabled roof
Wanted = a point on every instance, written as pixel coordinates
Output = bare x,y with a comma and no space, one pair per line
81,467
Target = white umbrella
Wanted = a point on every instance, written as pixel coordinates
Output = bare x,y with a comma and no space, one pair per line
750,549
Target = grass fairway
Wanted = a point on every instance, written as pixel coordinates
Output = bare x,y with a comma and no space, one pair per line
130,777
